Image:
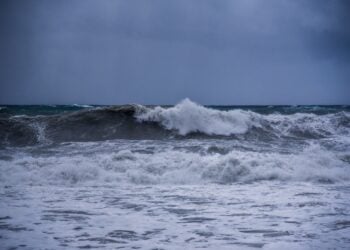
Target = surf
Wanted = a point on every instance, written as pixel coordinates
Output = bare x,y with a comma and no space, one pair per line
186,120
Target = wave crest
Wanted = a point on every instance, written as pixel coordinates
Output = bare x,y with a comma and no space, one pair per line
189,117
182,121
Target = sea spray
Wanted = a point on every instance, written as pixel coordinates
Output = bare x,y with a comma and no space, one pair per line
186,120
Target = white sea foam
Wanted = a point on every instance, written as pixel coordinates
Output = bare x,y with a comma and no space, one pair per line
39,130
82,105
165,164
189,117
273,192
308,124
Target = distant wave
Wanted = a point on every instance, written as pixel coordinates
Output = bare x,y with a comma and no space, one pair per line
82,105
185,120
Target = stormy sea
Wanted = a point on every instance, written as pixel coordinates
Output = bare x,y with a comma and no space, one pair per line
174,177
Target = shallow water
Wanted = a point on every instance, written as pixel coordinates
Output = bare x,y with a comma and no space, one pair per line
262,215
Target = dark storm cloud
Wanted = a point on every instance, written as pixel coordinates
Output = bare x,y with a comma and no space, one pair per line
159,51
331,39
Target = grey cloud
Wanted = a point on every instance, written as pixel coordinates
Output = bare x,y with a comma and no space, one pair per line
158,51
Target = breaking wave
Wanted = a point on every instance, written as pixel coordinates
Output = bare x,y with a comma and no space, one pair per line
185,120
189,117
166,164
184,144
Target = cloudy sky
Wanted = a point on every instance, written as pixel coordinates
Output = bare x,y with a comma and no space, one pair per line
161,51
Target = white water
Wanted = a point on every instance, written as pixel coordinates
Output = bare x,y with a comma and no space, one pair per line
175,162
189,117
283,192
251,216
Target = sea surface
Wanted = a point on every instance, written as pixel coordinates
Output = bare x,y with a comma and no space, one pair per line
174,177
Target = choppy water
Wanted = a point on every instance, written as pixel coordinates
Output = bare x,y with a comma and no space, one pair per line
179,177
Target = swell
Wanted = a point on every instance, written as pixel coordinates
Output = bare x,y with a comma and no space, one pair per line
85,125
185,120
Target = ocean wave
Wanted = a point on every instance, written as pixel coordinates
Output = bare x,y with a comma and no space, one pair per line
182,121
189,117
166,165
82,105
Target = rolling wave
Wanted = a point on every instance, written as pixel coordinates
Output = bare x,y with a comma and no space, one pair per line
182,121
168,163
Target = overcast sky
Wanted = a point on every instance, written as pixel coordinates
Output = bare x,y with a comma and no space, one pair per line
161,51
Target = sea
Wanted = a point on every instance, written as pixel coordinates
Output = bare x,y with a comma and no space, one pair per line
174,177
